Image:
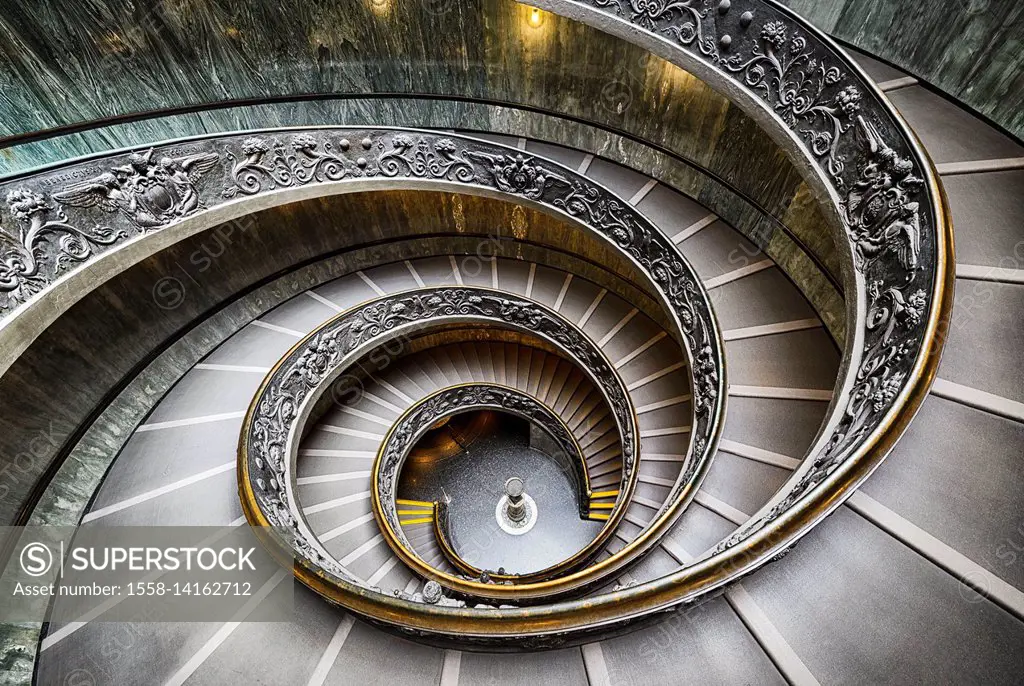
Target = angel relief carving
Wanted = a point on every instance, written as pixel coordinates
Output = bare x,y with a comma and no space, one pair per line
148,192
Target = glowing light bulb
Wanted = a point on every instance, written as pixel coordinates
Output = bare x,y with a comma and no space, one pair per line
535,18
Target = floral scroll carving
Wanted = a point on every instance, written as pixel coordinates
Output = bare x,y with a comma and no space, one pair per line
267,164
145,193
39,222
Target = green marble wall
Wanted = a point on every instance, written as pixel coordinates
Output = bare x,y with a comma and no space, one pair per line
84,64
973,50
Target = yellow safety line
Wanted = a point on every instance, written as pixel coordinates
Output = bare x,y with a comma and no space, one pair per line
604,494
416,521
421,503
599,517
602,506
413,512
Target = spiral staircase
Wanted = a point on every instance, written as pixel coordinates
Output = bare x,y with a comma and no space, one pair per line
597,341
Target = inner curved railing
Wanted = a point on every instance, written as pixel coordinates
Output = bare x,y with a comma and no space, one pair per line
275,421
446,403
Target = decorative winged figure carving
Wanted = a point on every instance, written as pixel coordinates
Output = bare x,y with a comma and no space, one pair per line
150,193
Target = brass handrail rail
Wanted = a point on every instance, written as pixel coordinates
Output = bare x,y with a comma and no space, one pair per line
447,402
887,209
193,184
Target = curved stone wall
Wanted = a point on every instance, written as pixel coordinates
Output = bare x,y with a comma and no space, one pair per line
311,60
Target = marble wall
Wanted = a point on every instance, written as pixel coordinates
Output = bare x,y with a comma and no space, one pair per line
87,65
973,50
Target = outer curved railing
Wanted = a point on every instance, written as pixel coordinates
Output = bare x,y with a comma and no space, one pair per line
878,185
870,175
448,402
